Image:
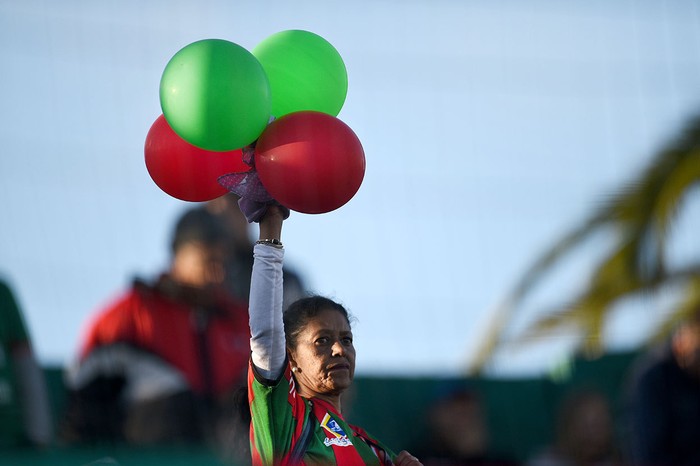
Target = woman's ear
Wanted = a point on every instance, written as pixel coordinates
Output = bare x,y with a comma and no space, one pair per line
290,356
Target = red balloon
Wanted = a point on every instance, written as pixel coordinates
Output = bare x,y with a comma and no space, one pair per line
310,161
184,171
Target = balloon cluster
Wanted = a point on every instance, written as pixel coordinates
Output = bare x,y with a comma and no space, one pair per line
283,98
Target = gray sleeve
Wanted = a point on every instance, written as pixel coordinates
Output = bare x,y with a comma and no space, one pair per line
34,396
267,342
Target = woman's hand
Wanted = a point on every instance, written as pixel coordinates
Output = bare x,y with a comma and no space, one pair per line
406,459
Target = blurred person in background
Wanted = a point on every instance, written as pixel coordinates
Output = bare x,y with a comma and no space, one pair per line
239,262
161,362
664,401
459,431
25,413
585,433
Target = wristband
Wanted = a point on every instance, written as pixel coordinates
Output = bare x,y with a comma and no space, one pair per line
275,243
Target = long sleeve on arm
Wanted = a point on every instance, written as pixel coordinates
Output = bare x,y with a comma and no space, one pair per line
267,341
35,399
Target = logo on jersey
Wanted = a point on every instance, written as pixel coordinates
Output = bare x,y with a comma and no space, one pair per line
339,438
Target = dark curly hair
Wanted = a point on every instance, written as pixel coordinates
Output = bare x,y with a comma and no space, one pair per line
301,311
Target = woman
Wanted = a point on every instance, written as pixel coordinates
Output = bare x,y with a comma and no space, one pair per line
300,366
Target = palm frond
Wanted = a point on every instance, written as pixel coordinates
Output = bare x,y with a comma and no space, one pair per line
589,311
642,213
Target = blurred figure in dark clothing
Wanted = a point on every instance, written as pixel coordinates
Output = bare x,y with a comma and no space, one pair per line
585,434
664,401
459,432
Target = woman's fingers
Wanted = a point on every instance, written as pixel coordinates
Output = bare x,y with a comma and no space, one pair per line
406,459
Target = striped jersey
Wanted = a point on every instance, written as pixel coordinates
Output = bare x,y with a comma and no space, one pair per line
287,429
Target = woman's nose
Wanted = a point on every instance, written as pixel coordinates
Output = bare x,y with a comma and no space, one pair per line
338,349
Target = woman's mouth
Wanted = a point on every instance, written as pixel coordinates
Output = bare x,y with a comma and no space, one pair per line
339,367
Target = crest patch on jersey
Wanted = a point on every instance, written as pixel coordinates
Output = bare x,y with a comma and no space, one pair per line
339,437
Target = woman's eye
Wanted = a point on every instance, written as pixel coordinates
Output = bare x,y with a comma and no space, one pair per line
322,341
347,340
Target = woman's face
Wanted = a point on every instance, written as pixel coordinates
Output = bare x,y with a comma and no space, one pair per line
324,355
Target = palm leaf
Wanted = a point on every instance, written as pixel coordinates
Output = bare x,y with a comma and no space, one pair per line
587,313
642,214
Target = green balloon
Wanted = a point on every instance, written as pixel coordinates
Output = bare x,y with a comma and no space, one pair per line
305,72
215,95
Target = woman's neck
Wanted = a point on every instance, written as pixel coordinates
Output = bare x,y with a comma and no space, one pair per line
333,400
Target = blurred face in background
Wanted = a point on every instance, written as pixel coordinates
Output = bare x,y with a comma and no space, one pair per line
199,265
459,425
686,347
586,430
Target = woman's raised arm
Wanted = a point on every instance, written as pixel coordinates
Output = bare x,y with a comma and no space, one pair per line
267,341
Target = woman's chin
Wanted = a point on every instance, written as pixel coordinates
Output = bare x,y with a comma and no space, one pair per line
342,382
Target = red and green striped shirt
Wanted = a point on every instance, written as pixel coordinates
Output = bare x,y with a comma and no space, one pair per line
281,420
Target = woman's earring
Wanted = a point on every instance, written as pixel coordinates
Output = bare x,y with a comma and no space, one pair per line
295,369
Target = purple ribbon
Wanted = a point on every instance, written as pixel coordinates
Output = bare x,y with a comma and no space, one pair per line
246,184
